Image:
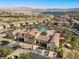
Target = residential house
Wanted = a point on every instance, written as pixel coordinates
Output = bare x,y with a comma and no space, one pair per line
30,22
42,54
52,16
17,24
50,32
27,34
48,18
19,31
63,22
54,42
56,39
6,25
43,39
34,32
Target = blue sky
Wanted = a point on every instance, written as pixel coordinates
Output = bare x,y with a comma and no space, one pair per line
40,3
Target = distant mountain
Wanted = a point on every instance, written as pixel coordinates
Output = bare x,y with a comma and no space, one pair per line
16,8
69,9
28,10
74,9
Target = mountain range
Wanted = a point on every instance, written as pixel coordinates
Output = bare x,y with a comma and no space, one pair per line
67,9
33,10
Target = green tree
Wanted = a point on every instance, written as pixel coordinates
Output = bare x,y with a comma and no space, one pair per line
44,33
18,35
21,56
69,56
8,33
74,42
5,51
61,50
24,56
27,56
33,41
68,36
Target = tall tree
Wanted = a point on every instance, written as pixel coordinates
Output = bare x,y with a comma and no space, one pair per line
68,36
33,41
24,56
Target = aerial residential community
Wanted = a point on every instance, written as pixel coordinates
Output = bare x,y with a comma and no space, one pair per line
38,33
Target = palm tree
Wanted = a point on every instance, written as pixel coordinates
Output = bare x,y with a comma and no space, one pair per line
33,41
